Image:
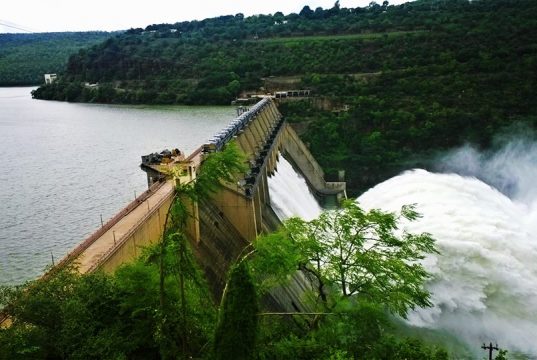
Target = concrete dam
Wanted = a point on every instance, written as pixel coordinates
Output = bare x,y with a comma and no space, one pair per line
222,227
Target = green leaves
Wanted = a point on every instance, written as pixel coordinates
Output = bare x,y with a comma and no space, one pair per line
275,260
99,316
68,315
236,332
218,167
358,253
190,319
363,266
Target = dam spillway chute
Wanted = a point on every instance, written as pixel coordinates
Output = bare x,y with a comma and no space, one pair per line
290,194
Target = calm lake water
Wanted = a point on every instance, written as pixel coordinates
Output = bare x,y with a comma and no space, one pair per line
63,165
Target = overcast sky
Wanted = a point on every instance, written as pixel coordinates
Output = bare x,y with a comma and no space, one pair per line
76,15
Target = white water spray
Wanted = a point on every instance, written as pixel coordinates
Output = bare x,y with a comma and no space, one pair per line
512,169
290,194
484,285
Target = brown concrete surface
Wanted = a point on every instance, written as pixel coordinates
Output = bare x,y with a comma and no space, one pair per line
91,256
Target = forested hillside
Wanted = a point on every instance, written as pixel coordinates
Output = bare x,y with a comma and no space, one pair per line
24,58
417,78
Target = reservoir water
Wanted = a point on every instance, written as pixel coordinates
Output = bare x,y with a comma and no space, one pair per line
64,165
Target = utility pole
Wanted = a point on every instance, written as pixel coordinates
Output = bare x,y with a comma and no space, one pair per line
490,348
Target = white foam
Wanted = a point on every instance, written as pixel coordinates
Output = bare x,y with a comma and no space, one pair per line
290,194
484,285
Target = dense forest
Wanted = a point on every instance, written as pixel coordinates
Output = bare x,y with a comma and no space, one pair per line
24,58
416,78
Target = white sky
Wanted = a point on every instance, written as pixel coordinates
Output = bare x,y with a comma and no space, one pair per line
76,15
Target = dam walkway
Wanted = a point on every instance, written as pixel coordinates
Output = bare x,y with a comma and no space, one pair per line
136,226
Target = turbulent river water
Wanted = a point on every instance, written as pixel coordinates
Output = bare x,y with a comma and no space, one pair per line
63,165
484,285
482,210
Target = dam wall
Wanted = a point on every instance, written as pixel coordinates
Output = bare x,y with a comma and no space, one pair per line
147,231
221,228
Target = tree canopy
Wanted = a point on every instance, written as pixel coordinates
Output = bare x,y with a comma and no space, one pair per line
160,307
353,253
236,331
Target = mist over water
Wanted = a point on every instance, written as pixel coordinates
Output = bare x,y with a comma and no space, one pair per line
483,213
484,218
512,169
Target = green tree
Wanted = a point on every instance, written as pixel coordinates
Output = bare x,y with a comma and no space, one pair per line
357,330
236,332
502,355
158,306
175,256
234,87
355,253
93,316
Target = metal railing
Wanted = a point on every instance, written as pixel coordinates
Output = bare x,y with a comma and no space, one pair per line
217,142
104,228
122,240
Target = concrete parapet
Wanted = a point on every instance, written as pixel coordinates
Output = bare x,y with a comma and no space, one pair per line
123,242
82,247
147,232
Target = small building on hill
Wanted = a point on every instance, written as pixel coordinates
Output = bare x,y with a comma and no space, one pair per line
50,78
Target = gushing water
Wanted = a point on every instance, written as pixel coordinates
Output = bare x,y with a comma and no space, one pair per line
512,169
484,285
290,194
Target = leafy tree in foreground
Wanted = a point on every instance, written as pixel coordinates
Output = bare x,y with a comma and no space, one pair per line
352,253
361,264
156,307
236,331
176,259
92,316
358,330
